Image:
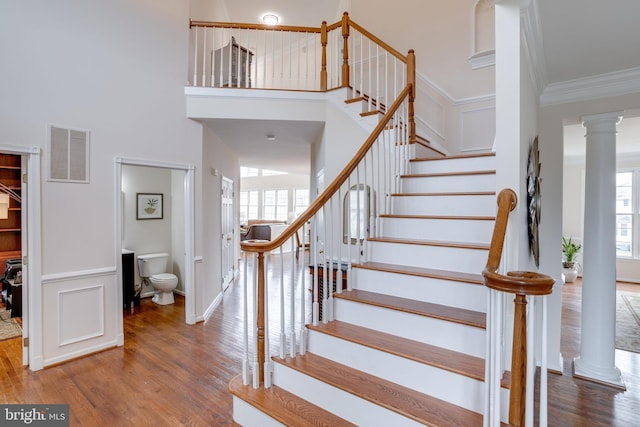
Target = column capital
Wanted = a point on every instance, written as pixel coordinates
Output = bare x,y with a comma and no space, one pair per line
615,116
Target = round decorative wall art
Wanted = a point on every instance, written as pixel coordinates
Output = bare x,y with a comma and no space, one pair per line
533,199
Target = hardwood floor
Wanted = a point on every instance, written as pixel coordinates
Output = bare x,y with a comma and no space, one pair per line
172,374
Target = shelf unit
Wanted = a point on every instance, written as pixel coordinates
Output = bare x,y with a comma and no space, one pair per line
11,228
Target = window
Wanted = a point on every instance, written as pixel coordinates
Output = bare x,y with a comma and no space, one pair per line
276,204
247,172
301,200
248,206
269,172
627,213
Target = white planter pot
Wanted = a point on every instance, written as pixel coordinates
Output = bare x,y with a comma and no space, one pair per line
570,274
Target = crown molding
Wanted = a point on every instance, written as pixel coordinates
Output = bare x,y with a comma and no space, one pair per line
587,88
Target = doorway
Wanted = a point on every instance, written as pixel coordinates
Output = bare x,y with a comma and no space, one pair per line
178,200
228,242
21,262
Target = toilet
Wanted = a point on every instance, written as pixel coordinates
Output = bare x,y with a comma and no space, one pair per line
153,269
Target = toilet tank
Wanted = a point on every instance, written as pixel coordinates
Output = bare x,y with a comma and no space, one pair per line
150,264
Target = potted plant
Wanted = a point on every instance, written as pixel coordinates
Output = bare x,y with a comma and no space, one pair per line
570,251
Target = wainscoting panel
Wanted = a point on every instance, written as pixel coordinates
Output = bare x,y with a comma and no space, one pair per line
477,129
79,313
86,304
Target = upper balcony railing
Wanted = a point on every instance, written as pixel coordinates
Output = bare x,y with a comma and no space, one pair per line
256,56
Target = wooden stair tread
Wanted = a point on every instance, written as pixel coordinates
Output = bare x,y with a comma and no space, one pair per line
353,100
449,360
462,245
450,193
422,308
370,113
423,272
438,174
451,217
410,403
283,406
454,156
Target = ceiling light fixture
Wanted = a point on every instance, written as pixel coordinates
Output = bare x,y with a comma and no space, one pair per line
271,137
270,19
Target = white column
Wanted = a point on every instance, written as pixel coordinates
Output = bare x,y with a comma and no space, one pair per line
597,347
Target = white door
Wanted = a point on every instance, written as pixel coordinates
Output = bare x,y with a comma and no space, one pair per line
227,232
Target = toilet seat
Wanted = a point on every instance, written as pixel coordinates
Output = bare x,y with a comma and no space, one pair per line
163,277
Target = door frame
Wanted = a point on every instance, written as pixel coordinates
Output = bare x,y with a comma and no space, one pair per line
231,246
32,252
189,235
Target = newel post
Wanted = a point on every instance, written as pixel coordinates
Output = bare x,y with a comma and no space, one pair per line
323,70
345,50
411,79
521,284
260,321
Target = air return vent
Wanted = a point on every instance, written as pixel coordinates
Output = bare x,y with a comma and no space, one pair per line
68,155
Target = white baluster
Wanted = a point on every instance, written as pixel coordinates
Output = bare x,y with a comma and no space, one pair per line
283,338
245,329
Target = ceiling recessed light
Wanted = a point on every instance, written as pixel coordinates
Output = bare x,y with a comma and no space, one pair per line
271,137
270,19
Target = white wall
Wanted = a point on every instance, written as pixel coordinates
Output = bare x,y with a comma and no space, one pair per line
216,155
116,69
440,32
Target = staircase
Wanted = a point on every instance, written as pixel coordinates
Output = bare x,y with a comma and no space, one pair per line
408,342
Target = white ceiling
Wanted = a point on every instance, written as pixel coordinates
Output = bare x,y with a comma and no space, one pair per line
583,38
579,39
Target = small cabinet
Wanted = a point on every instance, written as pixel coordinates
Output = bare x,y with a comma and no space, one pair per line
232,65
130,296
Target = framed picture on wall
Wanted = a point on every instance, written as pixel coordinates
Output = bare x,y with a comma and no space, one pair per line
148,205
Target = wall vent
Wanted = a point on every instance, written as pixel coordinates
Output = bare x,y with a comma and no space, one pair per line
68,155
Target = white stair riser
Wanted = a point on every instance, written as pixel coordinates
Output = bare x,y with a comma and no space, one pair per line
449,183
343,404
441,333
454,165
438,257
445,205
248,415
450,230
439,383
437,291
420,151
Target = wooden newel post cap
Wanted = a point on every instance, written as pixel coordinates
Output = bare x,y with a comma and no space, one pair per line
519,282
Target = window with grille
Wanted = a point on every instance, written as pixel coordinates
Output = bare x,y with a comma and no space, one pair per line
627,213
248,206
276,203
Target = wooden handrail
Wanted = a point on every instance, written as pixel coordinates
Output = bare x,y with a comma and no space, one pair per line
379,42
520,283
244,26
262,246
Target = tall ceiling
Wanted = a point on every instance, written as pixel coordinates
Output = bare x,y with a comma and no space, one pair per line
578,40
